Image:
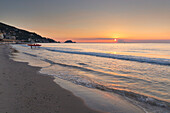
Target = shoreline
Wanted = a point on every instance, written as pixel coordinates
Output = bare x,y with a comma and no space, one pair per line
94,99
24,90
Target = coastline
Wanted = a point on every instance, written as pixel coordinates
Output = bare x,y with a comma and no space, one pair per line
24,90
94,99
66,77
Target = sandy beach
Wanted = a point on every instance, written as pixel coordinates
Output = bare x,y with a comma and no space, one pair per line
84,56
24,90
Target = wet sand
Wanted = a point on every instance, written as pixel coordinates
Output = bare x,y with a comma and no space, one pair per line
24,90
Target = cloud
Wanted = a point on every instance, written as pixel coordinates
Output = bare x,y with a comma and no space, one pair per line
94,38
142,41
122,40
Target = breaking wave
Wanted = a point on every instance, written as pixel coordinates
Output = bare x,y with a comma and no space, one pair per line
90,83
158,61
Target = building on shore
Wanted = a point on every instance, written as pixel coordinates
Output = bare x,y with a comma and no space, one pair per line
1,36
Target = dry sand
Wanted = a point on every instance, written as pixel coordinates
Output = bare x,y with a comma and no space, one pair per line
24,90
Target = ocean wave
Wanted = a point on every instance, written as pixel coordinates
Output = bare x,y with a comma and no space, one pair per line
90,83
135,96
87,82
158,61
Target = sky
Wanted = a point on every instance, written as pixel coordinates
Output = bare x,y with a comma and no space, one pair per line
90,20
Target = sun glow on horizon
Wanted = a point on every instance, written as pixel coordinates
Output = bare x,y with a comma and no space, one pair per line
115,40
115,36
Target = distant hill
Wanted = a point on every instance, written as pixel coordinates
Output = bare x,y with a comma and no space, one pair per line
11,32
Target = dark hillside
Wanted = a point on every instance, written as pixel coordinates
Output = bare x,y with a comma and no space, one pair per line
11,32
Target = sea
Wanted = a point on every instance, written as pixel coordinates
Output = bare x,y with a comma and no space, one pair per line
139,72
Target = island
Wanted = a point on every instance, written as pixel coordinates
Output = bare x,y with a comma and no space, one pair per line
69,41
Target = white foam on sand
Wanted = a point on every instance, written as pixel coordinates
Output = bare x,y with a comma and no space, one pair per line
96,99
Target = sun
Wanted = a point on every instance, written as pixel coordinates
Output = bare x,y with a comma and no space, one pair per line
115,38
